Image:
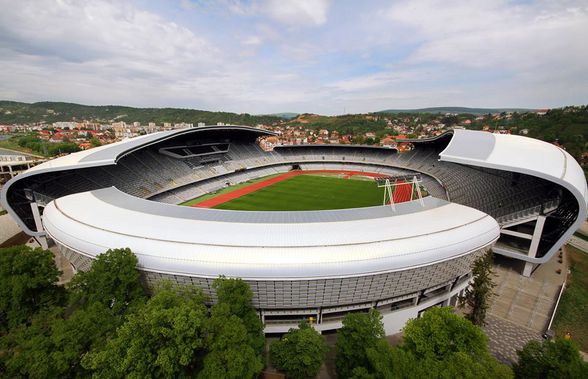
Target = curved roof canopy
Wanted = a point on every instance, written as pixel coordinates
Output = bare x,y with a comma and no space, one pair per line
110,154
268,245
527,156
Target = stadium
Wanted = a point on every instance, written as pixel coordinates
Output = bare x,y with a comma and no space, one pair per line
317,231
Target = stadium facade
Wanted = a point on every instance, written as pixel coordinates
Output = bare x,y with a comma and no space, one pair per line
522,197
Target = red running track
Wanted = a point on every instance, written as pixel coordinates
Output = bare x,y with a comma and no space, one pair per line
401,194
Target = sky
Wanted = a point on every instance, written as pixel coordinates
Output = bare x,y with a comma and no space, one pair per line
304,56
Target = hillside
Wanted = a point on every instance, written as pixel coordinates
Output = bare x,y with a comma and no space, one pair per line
458,110
284,115
347,124
23,113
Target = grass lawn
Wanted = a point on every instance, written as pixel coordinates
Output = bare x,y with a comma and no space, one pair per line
572,313
210,195
310,192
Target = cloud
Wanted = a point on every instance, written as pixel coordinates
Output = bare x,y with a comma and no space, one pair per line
484,34
252,41
296,12
265,56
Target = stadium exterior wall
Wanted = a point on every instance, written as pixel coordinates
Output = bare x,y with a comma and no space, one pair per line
399,295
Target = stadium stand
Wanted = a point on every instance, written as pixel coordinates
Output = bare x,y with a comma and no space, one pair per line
475,200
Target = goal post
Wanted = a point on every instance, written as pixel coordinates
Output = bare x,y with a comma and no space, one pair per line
391,184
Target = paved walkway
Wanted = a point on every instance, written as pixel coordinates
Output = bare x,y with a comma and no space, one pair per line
507,337
8,228
521,310
527,302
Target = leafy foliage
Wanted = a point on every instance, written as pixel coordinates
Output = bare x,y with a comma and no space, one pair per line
478,295
451,346
359,332
440,344
550,359
46,148
440,333
112,281
28,280
164,339
300,352
53,346
235,333
234,297
231,354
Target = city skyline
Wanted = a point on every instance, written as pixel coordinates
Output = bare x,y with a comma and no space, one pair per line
305,56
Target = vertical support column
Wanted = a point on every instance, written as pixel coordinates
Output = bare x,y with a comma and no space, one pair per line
10,171
537,232
419,193
39,225
390,194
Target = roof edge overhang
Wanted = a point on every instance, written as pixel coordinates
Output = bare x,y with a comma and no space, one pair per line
316,257
105,156
570,169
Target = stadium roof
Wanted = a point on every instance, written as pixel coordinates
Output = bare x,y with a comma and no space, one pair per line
524,155
109,154
268,245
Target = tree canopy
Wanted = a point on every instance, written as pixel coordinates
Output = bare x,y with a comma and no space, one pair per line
549,360
300,352
113,281
234,297
166,338
235,333
359,332
28,283
439,332
231,354
439,344
56,338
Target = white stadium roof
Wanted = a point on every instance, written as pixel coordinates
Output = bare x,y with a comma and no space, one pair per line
268,245
527,156
208,242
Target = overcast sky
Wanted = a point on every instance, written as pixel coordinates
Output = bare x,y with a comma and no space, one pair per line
320,56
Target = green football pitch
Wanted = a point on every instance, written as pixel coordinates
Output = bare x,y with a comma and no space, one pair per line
310,192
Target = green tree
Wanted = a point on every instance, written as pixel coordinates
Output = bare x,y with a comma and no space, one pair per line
28,280
385,361
478,295
466,366
112,280
52,347
234,297
230,355
360,331
440,333
235,333
300,352
451,346
163,339
95,142
433,348
54,343
550,359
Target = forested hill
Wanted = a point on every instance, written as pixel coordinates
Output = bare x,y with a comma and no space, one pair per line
23,113
458,110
